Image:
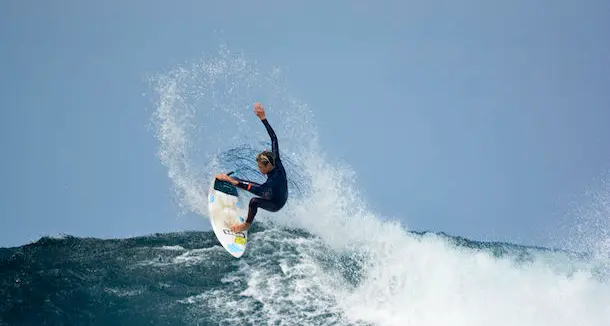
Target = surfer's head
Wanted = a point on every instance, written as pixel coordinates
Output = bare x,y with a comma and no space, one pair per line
266,161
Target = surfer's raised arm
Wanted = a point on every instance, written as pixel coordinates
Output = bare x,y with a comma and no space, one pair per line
260,113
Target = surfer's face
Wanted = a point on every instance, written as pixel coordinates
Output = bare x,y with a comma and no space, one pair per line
264,168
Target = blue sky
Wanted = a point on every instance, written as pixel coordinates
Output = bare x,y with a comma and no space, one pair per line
481,119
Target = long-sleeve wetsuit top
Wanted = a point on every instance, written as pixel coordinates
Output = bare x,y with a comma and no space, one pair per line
276,186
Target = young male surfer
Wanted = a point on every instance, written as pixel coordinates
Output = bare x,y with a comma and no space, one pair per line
273,194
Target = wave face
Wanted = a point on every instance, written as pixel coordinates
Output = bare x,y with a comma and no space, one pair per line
325,259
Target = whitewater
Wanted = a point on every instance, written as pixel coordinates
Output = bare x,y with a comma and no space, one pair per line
325,259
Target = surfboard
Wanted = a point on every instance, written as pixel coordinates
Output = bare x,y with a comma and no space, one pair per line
226,209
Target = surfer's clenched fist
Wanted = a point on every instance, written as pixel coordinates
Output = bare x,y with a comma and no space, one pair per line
259,110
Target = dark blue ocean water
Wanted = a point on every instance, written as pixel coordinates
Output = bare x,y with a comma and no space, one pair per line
287,277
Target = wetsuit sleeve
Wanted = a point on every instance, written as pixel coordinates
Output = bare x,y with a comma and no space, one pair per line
246,182
263,191
274,145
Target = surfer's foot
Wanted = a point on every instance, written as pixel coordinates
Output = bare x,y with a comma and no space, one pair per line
240,227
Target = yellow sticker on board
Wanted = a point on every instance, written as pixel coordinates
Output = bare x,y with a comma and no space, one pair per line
240,240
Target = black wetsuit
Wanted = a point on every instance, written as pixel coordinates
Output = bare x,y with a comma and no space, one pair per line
274,192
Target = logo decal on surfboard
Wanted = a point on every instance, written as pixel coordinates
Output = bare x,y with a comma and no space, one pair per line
229,232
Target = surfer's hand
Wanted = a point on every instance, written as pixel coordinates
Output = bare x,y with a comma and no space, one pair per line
224,177
259,111
240,227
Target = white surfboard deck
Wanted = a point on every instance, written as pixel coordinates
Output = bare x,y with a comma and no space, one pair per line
226,209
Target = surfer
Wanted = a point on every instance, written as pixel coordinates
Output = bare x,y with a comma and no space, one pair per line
273,194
